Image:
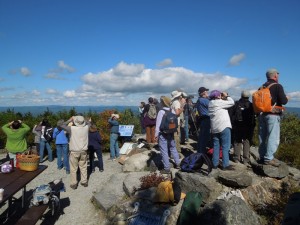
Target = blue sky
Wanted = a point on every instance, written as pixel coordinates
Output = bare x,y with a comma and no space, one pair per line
120,52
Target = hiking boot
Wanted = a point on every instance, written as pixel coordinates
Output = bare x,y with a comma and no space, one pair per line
84,184
272,162
230,167
101,171
164,171
73,186
260,161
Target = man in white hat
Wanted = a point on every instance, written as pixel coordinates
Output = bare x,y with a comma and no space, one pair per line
78,146
177,105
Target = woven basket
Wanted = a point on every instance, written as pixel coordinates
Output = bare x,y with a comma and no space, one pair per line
28,162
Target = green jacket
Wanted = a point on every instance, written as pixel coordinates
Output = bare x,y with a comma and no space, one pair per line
16,140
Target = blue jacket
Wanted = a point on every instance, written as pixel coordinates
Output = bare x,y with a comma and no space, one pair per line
60,137
114,126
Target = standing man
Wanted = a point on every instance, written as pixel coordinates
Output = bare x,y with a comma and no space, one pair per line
114,135
204,119
78,146
269,123
243,123
177,105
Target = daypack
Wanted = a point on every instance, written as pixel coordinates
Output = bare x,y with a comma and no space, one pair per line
190,208
169,122
194,163
168,192
41,194
48,134
242,113
262,101
152,113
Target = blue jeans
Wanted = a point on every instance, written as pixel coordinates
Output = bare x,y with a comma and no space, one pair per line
114,146
44,143
269,135
204,134
166,142
223,139
62,151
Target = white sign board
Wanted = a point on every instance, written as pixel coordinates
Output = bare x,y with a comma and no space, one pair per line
126,130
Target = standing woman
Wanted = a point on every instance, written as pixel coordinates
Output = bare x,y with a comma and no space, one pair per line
37,137
114,135
16,138
44,143
95,147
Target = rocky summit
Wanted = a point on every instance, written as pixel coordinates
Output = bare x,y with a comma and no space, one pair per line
229,197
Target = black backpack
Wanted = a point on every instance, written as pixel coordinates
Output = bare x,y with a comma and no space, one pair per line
169,122
242,113
194,163
48,134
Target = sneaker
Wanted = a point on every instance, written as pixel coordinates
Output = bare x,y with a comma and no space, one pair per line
230,167
272,162
177,167
84,184
101,171
260,161
164,171
73,186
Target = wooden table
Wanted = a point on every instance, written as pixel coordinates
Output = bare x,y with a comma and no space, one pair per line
15,181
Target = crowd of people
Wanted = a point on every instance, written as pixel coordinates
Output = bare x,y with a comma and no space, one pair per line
220,123
77,140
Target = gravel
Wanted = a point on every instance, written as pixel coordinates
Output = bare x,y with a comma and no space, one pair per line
76,205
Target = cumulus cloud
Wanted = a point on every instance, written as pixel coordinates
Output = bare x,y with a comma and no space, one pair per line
35,92
51,91
70,94
165,62
236,59
64,67
25,71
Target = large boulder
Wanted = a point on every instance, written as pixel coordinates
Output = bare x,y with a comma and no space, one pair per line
233,211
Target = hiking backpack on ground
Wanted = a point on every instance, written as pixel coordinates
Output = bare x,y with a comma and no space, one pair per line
152,113
190,208
169,122
194,163
48,134
262,101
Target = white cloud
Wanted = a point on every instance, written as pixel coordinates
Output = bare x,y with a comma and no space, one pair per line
52,91
25,71
35,92
53,76
70,94
64,67
165,62
236,59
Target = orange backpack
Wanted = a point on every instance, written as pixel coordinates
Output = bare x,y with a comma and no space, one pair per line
262,101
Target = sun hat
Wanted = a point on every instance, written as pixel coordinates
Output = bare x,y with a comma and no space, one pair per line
245,94
202,89
166,101
214,94
115,115
271,72
175,94
79,121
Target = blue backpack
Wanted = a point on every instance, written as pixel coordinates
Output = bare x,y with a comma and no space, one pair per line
169,122
194,163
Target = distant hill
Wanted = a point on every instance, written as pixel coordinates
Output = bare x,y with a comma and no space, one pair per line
36,110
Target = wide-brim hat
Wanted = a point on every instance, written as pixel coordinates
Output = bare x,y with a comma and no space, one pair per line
175,94
166,101
79,121
115,115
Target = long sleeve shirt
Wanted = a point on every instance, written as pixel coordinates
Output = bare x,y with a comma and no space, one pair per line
159,117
